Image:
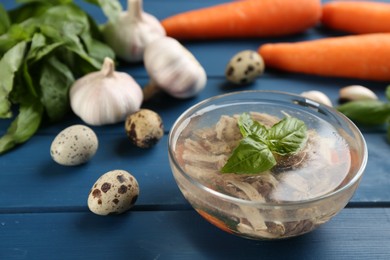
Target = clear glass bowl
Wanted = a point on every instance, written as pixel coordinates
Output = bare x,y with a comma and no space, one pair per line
297,195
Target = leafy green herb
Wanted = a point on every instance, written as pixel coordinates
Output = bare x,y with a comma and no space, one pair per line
255,152
111,8
369,112
4,20
44,46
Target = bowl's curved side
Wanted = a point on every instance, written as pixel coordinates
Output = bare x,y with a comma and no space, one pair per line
262,220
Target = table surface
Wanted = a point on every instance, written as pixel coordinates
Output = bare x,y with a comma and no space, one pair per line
43,206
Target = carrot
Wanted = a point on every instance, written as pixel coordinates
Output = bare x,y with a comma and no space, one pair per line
249,18
214,220
357,16
364,56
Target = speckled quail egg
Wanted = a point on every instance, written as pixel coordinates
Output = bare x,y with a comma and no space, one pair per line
244,67
144,128
113,193
74,145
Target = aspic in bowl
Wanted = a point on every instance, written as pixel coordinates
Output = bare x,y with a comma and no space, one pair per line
257,188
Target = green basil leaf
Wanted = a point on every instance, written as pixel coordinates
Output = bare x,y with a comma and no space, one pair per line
287,136
249,157
9,64
56,79
24,125
367,112
250,127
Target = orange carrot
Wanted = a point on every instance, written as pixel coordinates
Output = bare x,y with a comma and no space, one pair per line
364,56
213,220
249,18
357,16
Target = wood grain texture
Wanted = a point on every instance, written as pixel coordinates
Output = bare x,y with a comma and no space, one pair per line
30,179
353,234
43,206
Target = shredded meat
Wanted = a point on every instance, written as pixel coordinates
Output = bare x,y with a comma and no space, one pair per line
207,151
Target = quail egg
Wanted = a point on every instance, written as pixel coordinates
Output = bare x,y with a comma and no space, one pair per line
113,193
244,67
74,145
144,128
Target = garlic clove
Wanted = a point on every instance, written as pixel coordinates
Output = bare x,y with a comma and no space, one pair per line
173,69
318,96
132,31
356,92
105,96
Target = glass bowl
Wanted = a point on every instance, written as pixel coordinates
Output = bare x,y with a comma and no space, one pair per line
301,192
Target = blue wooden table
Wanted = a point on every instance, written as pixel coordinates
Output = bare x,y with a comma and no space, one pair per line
43,206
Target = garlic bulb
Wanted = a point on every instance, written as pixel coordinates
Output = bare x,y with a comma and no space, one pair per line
173,69
132,31
105,96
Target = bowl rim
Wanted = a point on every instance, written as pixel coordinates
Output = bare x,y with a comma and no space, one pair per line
190,111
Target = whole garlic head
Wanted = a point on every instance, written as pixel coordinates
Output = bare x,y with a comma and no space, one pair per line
105,96
132,31
173,69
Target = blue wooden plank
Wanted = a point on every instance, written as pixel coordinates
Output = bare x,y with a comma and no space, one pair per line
43,182
353,234
30,180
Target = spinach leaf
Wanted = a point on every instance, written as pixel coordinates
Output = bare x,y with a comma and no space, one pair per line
27,11
15,35
68,24
29,82
96,49
9,64
44,46
40,48
5,22
24,125
55,81
111,8
53,2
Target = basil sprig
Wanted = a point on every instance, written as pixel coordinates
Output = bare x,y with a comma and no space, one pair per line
369,112
255,152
